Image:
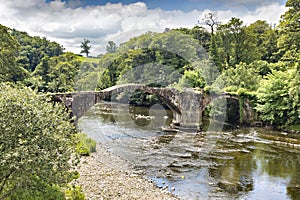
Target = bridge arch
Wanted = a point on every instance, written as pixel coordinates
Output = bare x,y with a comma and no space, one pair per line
166,95
246,114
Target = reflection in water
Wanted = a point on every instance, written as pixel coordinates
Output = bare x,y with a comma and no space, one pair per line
249,163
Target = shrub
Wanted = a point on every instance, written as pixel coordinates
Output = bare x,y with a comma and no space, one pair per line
86,145
74,193
36,143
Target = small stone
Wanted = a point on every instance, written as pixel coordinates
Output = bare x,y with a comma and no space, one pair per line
133,175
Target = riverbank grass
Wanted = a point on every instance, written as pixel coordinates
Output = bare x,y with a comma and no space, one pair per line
294,127
86,145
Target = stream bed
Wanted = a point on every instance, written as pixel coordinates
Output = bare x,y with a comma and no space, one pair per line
244,163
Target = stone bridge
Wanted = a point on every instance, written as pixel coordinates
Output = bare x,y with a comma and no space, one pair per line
187,105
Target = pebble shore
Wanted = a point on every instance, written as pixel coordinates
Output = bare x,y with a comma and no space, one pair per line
106,176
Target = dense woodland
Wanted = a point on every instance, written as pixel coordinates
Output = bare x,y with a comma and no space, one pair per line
259,61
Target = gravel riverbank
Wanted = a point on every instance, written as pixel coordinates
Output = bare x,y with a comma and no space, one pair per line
106,176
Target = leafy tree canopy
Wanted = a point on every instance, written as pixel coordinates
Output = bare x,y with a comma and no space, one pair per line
111,47
36,142
279,98
33,49
289,30
9,71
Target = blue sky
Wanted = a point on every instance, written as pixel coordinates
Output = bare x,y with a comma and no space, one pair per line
68,22
183,5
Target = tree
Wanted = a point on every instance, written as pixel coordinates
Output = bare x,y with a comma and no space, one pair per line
9,70
36,143
56,74
294,93
278,98
33,49
210,19
192,79
242,76
266,40
289,30
235,42
199,34
111,47
85,47
62,73
214,53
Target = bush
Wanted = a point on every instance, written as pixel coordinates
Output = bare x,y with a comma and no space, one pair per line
212,90
192,79
278,98
86,145
74,193
36,143
48,192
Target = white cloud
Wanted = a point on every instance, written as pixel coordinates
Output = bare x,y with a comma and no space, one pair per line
68,25
270,13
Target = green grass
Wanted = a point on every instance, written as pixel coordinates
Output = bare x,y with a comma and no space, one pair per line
74,193
89,60
294,127
86,145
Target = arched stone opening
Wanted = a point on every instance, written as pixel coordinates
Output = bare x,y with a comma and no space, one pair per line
231,110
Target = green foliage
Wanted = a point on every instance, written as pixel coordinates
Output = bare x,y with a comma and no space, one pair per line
86,145
56,74
88,81
44,192
149,74
261,67
191,79
240,77
105,80
276,104
235,42
74,193
141,98
130,66
289,30
33,49
36,142
249,95
212,90
294,94
199,34
266,40
241,108
215,54
9,70
85,47
294,127
242,92
231,89
111,47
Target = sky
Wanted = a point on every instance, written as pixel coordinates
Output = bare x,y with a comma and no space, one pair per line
68,22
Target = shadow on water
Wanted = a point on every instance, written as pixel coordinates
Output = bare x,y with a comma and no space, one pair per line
246,163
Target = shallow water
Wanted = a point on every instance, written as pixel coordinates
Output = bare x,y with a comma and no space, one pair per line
246,163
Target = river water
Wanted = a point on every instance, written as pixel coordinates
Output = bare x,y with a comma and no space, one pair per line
244,163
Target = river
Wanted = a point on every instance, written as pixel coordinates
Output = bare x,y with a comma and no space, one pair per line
244,163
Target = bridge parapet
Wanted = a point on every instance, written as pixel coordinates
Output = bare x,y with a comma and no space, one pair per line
78,103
